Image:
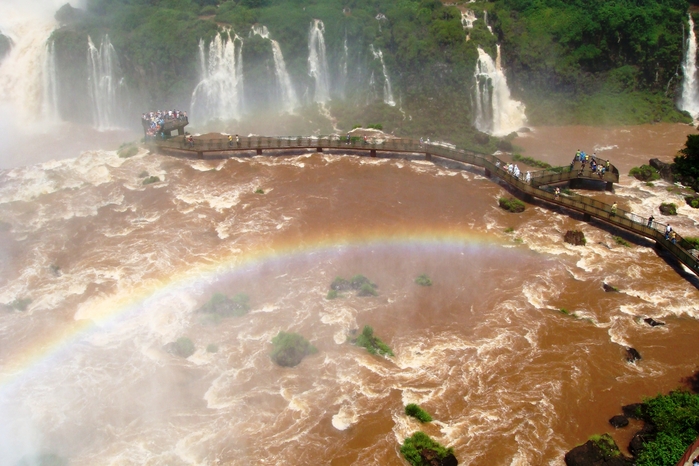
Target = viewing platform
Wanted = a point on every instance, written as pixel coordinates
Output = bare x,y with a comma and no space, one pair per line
538,187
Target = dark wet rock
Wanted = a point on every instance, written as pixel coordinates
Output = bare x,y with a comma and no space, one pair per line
619,421
632,355
68,15
605,245
652,322
665,169
610,288
600,452
693,382
5,46
575,237
505,146
482,138
524,129
431,457
632,411
642,436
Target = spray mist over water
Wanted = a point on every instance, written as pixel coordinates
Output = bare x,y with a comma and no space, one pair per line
317,63
289,101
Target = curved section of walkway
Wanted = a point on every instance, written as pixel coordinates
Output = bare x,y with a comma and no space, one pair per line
681,249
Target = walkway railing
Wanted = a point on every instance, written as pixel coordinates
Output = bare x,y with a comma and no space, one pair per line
680,248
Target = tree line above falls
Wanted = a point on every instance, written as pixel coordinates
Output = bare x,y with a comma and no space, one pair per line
592,61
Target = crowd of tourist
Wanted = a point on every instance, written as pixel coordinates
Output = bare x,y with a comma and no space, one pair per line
597,165
153,122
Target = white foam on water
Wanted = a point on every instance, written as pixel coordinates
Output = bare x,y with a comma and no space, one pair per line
345,418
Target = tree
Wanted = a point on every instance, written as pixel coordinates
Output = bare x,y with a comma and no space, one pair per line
687,164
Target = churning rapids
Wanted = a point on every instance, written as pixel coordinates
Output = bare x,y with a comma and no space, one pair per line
115,270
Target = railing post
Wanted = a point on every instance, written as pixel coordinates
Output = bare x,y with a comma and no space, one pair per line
258,151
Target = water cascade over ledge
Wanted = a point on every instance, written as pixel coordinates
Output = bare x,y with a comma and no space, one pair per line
317,62
288,98
103,84
219,94
387,91
495,111
689,100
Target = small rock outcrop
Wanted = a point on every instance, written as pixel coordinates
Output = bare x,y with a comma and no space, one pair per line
665,169
632,355
610,288
619,421
575,237
668,209
632,411
432,458
652,322
601,451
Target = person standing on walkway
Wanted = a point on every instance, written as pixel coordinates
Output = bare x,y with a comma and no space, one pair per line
668,229
230,141
237,140
650,221
557,193
613,209
673,237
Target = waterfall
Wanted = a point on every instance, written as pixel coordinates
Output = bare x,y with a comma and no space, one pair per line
49,108
485,20
103,83
689,99
468,18
495,111
341,83
387,92
28,72
219,94
317,63
289,101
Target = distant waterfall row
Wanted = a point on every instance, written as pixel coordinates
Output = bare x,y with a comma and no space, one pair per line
220,94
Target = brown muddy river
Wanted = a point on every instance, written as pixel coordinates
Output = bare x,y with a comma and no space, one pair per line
115,270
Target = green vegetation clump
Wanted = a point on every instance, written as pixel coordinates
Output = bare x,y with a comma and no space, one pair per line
151,179
686,164
420,444
259,191
676,417
359,283
378,126
692,242
531,162
367,289
212,348
423,280
371,343
143,174
621,241
290,349
607,445
340,284
509,230
511,204
692,201
645,173
127,150
20,304
418,413
223,306
668,208
332,294
183,347
565,311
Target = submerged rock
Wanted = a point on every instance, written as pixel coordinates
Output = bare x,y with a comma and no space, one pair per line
619,421
610,288
632,411
632,355
652,322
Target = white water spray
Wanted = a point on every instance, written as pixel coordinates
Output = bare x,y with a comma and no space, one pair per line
103,84
689,99
220,92
317,63
387,91
495,111
289,101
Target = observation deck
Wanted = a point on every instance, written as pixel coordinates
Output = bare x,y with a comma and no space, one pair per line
538,187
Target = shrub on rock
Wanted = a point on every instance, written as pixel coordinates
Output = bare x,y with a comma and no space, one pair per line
222,305
645,173
151,180
668,209
511,204
575,237
183,347
423,280
290,349
372,343
418,413
420,450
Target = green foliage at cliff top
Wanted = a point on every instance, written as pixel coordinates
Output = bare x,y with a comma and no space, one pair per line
676,416
596,62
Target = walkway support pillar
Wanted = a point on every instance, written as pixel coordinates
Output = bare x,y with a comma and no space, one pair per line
586,217
610,186
488,174
428,156
372,153
259,151
319,149
200,154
